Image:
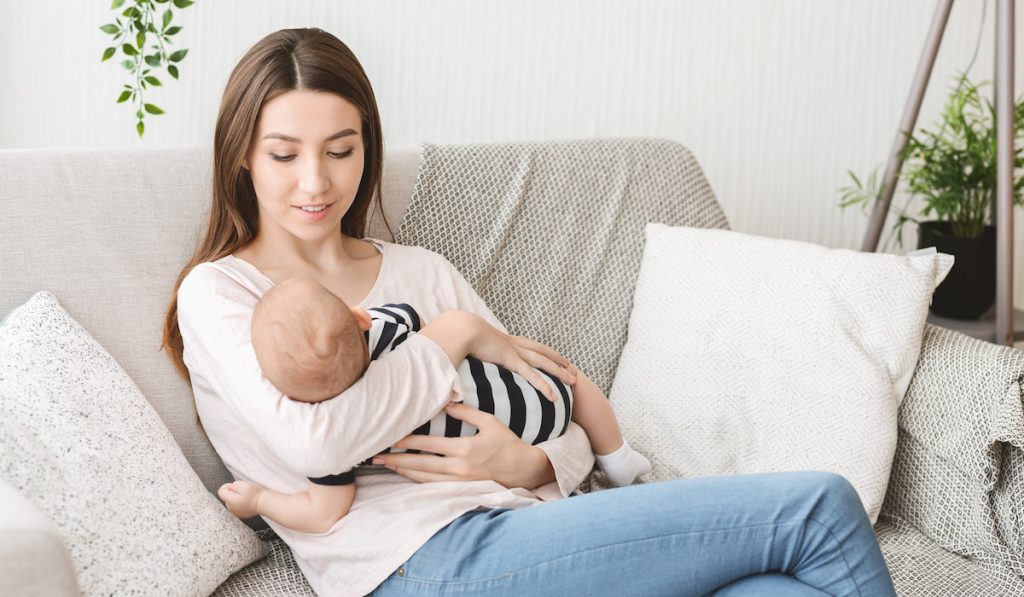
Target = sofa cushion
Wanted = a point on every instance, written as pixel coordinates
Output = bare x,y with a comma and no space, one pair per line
107,230
79,440
34,558
748,354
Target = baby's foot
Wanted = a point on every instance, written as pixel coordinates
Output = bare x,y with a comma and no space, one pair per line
624,465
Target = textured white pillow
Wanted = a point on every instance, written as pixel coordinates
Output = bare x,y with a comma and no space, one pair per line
80,441
748,354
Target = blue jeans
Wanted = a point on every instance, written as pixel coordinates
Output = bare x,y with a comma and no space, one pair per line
793,533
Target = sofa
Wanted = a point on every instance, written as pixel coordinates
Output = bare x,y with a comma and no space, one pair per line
107,230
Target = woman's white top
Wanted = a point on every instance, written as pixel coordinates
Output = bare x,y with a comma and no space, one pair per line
265,437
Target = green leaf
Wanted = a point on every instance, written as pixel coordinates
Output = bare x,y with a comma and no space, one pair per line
172,31
140,127
129,50
108,53
128,64
153,109
110,28
139,114
124,96
151,28
167,18
173,70
183,3
154,81
153,60
131,12
140,39
177,56
116,4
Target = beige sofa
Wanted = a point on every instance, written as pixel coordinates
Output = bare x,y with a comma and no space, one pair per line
106,231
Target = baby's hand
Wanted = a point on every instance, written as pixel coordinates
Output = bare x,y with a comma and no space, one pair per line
240,497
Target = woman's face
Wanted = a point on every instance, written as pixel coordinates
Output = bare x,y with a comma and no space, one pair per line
307,151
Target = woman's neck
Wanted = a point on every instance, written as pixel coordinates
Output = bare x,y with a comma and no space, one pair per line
327,255
351,274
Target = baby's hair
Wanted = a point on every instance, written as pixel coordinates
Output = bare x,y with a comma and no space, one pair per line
307,341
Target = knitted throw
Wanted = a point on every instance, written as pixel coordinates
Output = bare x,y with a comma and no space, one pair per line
516,218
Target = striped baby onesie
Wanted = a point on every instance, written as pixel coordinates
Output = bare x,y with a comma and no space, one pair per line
488,387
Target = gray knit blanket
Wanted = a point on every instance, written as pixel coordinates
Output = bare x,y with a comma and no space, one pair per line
953,518
515,219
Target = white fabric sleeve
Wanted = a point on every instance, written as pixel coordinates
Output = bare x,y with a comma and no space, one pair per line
570,454
398,392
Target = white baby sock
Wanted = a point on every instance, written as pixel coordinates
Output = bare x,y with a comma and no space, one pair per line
624,465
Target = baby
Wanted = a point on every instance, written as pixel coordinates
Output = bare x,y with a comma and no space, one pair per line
312,347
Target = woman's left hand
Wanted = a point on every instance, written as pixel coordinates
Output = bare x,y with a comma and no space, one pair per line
495,453
541,356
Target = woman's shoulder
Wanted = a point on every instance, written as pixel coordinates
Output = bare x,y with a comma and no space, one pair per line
212,282
206,275
413,260
411,253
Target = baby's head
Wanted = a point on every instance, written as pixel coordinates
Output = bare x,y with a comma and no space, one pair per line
308,342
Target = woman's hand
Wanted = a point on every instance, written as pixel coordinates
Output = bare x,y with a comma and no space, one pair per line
495,453
463,334
521,355
546,358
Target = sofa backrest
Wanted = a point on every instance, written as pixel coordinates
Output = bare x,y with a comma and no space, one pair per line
551,233
107,231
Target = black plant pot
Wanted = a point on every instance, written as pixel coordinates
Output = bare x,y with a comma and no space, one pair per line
970,288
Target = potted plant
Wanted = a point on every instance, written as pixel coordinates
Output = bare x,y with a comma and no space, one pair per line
951,174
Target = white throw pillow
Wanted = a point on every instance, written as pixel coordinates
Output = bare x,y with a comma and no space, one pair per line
79,440
748,354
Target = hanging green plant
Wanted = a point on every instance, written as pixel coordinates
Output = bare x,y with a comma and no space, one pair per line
130,36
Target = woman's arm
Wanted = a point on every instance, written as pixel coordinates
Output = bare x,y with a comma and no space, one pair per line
554,467
399,392
496,453
312,511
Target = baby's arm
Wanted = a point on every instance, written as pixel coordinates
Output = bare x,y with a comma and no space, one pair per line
312,511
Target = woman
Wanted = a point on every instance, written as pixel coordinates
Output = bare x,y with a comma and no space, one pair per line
297,163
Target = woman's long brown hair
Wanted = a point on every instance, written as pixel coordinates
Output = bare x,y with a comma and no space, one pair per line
280,62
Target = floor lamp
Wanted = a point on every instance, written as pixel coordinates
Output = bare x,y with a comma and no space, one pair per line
1004,158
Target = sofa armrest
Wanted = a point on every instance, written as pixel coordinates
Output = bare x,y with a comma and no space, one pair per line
960,438
33,557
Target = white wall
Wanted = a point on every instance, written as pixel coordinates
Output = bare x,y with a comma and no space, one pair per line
777,98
